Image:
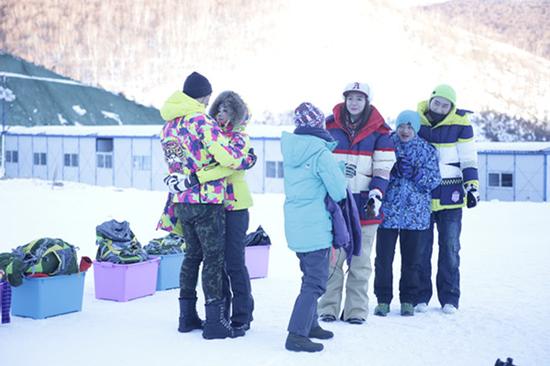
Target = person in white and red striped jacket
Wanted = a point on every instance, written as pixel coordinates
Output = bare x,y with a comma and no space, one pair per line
367,151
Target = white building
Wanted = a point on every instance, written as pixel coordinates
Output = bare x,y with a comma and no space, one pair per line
517,171
120,156
131,156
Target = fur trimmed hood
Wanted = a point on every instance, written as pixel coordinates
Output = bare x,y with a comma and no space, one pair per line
239,111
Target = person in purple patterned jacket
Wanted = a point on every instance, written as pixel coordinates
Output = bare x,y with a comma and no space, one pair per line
192,140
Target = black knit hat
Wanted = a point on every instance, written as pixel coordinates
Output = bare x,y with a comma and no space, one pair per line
197,86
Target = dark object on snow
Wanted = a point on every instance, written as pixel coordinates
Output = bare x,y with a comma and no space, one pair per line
189,318
5,300
216,326
258,237
509,362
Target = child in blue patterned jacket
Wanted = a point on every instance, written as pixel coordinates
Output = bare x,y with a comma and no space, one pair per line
406,208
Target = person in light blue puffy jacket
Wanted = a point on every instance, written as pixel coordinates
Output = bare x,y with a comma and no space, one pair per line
406,208
310,173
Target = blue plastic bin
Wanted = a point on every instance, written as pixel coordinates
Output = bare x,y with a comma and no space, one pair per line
169,271
43,297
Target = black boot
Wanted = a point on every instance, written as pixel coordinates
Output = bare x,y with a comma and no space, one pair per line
216,325
298,343
320,333
189,319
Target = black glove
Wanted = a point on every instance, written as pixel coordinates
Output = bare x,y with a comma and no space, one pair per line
252,157
472,196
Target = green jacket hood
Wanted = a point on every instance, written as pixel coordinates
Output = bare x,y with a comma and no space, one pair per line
297,149
180,104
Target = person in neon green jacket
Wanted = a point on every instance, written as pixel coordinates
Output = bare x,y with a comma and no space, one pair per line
231,114
192,140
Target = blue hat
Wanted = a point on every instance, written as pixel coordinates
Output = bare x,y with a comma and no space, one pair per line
411,117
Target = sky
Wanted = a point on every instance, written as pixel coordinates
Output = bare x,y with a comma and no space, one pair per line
503,310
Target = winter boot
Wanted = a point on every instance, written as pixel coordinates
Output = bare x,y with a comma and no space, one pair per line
320,333
298,343
382,309
407,309
216,325
449,309
329,318
189,319
421,307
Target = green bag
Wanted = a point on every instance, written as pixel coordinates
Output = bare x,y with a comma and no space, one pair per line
46,255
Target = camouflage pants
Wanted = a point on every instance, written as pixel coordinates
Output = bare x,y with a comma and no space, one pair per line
204,234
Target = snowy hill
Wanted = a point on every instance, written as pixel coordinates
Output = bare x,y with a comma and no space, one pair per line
279,53
504,305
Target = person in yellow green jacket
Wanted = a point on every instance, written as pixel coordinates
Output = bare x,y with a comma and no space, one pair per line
191,140
449,130
232,116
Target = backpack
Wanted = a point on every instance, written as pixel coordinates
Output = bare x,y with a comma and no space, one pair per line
258,237
118,244
46,255
170,244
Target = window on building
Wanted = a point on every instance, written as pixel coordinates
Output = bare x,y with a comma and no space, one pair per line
39,159
141,162
104,145
494,180
274,169
12,156
507,180
104,152
501,180
71,160
104,161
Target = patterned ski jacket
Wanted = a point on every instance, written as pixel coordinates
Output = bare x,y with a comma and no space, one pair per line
407,202
369,156
238,195
310,173
453,138
192,140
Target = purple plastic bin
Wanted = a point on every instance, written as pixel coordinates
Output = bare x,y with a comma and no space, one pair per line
257,260
123,282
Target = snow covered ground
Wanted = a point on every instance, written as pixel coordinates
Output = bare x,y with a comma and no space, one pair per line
505,306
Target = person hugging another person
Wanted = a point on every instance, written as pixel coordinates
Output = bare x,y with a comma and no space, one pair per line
191,140
367,151
406,208
232,115
311,172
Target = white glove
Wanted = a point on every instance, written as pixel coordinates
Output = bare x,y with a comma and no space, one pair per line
374,203
175,182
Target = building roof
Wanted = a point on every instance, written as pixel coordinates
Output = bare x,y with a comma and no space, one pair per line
35,96
513,146
255,131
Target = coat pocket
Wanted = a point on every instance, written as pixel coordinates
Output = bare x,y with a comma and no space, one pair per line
451,191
